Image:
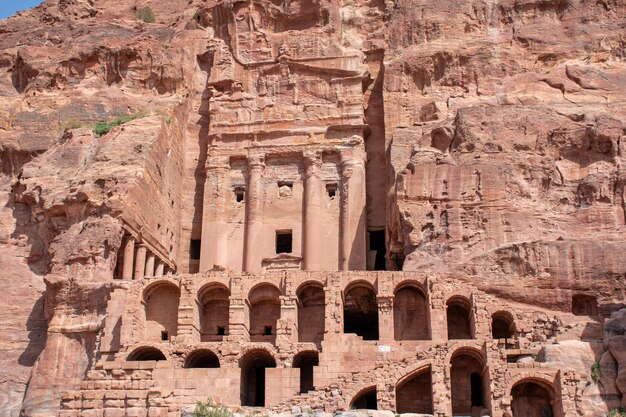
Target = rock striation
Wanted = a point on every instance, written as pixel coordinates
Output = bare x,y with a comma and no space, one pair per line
313,206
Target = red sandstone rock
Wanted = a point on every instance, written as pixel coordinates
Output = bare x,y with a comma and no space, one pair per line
475,148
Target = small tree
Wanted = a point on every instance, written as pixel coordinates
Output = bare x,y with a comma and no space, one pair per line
145,14
596,372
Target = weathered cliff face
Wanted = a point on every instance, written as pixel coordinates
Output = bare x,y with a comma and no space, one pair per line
496,135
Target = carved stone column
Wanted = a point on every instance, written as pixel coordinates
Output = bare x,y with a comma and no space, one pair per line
441,385
287,328
140,262
353,255
160,267
312,212
149,272
333,313
129,257
238,320
438,322
254,215
385,318
214,245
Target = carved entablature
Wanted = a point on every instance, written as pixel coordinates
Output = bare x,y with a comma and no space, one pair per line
281,262
289,94
256,29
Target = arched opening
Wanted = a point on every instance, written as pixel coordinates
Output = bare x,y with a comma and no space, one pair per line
459,319
365,400
584,305
161,304
415,395
253,366
531,399
264,302
410,314
305,361
360,312
202,359
311,311
214,303
146,354
469,383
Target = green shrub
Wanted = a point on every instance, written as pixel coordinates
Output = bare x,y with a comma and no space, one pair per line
102,128
617,412
145,14
596,373
207,409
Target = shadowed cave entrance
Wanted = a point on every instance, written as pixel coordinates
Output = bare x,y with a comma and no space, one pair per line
531,400
411,316
306,361
146,354
264,302
458,318
311,311
360,312
365,400
469,383
202,359
253,366
415,394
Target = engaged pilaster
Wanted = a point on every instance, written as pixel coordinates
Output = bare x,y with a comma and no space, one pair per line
312,211
129,258
214,245
353,214
254,215
385,318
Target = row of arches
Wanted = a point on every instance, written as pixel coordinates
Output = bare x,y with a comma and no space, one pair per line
470,385
361,309
529,397
253,369
470,391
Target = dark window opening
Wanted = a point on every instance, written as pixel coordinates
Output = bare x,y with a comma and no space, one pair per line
267,331
477,390
164,336
331,190
377,244
221,331
284,241
194,249
285,189
240,194
502,326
